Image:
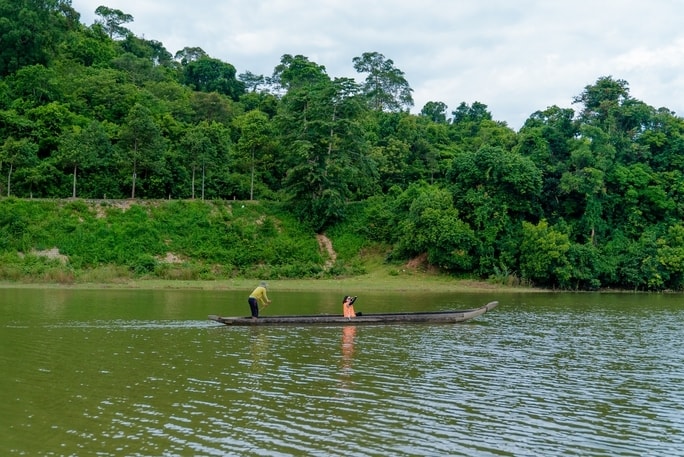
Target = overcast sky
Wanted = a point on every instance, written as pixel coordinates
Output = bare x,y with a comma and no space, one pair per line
515,56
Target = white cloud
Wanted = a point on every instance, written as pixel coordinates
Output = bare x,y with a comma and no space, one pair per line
516,57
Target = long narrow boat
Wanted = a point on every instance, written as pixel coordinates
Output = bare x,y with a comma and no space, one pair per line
386,318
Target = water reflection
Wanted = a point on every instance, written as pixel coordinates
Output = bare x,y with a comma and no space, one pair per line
348,337
258,349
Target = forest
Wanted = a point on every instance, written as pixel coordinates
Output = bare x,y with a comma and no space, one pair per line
578,199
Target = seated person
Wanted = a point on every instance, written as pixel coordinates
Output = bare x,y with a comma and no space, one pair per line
348,306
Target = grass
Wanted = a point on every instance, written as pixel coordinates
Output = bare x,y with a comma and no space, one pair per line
378,277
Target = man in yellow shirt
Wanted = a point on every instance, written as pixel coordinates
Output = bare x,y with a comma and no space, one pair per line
258,296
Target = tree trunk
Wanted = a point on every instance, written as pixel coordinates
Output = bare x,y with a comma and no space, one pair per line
251,185
193,182
134,176
9,180
135,166
203,174
73,188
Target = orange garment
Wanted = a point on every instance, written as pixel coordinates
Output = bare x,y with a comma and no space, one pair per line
348,307
348,335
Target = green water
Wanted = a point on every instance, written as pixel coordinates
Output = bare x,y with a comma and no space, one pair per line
143,373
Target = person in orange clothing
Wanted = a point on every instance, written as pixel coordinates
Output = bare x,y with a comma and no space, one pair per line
348,306
258,296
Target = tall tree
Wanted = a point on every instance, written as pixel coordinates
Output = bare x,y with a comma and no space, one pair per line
212,75
608,106
79,148
325,148
112,20
140,142
189,54
15,153
548,138
475,113
251,81
583,185
473,127
664,141
256,147
199,148
435,111
601,101
296,72
385,88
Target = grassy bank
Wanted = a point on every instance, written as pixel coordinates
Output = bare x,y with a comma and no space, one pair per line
377,279
195,245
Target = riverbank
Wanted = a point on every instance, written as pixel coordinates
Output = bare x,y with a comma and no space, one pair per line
413,281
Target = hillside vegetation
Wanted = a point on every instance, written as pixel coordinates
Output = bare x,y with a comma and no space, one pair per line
92,115
78,241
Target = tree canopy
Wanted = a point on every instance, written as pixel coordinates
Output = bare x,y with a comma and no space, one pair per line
576,199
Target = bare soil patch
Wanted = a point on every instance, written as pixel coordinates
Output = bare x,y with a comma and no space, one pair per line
51,254
326,247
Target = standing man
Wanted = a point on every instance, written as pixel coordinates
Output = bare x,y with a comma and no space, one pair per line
258,296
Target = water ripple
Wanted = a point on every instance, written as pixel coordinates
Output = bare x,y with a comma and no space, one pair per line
518,382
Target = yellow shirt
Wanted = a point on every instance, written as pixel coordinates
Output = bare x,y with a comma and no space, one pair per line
260,294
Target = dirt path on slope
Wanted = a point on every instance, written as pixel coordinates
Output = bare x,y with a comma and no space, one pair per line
326,247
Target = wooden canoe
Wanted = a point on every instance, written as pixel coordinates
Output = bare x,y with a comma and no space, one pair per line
386,318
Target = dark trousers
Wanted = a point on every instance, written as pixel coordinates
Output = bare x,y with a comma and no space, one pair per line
254,306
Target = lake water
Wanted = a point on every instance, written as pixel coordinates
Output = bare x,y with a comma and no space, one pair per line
143,373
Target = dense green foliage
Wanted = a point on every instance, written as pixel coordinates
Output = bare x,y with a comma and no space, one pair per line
165,239
574,200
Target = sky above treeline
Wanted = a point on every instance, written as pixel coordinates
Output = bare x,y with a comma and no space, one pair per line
516,57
